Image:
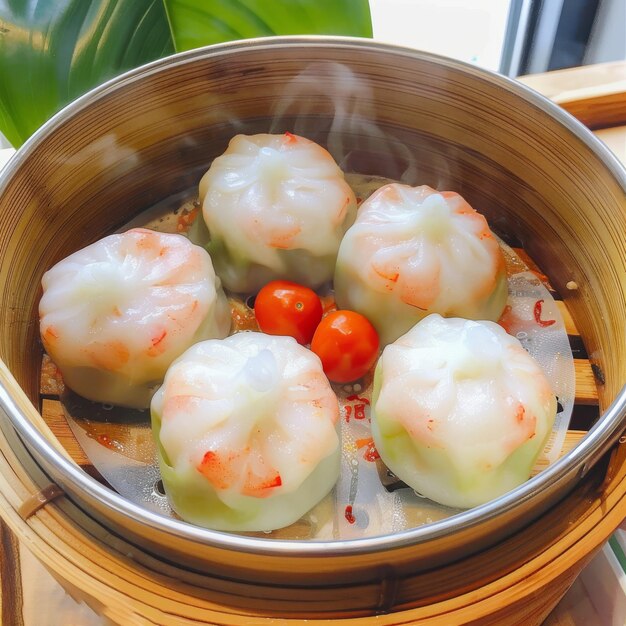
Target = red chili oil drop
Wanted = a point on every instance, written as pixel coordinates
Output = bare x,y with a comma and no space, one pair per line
354,397
371,454
348,514
537,313
348,412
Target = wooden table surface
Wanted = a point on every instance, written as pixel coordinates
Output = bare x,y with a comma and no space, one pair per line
30,595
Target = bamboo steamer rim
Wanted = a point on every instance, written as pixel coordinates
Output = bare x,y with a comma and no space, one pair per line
599,439
65,561
92,570
48,445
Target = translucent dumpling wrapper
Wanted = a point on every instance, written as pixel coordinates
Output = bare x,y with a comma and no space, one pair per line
247,433
276,206
414,251
114,315
460,411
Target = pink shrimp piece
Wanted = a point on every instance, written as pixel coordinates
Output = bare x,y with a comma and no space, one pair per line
525,428
421,298
284,240
180,405
422,427
424,287
145,240
390,193
340,216
110,356
261,486
225,470
385,269
508,320
157,346
389,276
483,233
219,469
49,336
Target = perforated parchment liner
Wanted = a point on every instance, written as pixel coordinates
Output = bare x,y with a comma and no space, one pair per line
367,499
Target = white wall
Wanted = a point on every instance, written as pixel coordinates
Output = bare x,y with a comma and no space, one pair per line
608,37
471,31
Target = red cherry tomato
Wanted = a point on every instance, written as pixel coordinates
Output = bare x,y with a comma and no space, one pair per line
285,308
347,344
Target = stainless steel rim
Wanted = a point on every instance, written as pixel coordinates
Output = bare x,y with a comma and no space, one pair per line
599,439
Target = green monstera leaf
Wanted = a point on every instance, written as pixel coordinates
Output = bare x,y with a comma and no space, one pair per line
52,51
202,22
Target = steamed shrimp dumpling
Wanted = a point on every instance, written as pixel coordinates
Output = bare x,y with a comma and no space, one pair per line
114,315
414,251
276,207
460,411
247,432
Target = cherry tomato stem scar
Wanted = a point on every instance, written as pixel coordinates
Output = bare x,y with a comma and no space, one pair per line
286,308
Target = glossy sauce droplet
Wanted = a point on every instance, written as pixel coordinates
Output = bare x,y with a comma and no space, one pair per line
109,443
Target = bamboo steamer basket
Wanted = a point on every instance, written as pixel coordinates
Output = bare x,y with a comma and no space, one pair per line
540,178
